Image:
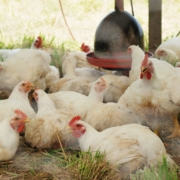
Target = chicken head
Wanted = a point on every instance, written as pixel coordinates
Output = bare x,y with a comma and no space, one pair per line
18,121
146,68
100,85
77,128
25,86
35,95
38,42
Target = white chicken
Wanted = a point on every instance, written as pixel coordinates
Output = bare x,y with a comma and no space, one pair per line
153,96
130,147
116,85
18,99
71,82
137,55
89,74
169,50
52,76
10,127
48,128
75,83
53,73
5,53
29,64
104,115
79,103
163,68
79,59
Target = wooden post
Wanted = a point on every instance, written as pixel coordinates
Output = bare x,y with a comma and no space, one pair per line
155,24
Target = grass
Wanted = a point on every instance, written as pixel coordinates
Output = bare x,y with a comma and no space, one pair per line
56,164
162,172
31,18
85,166
68,164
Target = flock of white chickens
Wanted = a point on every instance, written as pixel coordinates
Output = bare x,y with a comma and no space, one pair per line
128,118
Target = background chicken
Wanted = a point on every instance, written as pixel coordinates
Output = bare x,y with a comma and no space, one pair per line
169,50
163,68
10,127
5,53
74,83
52,76
125,146
29,64
87,73
48,128
137,55
79,58
116,85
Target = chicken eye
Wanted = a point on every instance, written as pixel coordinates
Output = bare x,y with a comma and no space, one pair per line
23,84
41,77
78,125
16,119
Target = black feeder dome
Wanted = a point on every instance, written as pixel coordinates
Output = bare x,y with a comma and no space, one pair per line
115,33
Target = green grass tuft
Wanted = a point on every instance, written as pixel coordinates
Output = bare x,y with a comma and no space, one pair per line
162,172
85,166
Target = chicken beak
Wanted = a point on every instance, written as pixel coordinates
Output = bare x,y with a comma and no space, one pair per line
68,129
32,86
26,120
143,69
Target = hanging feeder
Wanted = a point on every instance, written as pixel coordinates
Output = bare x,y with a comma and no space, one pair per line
115,33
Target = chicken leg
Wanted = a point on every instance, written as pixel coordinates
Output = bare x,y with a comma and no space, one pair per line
176,131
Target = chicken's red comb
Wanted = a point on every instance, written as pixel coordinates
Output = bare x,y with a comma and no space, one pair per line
39,38
19,112
74,120
38,42
85,48
82,46
145,60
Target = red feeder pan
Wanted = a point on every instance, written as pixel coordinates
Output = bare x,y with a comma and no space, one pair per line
124,62
121,61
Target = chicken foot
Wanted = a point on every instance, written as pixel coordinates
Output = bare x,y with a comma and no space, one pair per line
176,131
